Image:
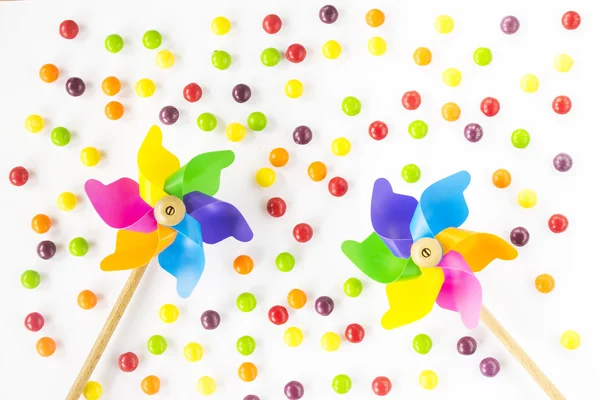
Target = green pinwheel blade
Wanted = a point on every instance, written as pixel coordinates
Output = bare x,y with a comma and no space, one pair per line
375,259
202,174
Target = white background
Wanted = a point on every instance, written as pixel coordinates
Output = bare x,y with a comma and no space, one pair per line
29,38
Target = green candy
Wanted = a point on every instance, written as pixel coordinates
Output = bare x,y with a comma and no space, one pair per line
422,343
114,43
520,138
285,262
246,345
79,247
30,279
221,59
270,57
157,345
60,136
482,56
257,121
207,122
418,129
411,173
353,287
246,302
152,39
341,384
351,106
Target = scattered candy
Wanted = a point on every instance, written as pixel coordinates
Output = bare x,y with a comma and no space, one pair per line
48,73
473,132
114,110
128,362
527,198
509,25
544,283
18,176
418,129
296,53
422,343
243,264
193,352
570,340
157,345
45,346
351,106
41,223
114,43
501,178
520,138
341,384
168,115
111,85
377,46
354,333
317,171
152,39
92,390
210,320
293,337
482,56
265,177
150,385
276,207
375,18
68,29
34,123
257,121
466,346
571,20
324,305
562,162
296,298
206,385
452,77
303,232
89,156
246,345
241,93
66,201
220,26
353,287
519,236
294,88
489,367
302,135
272,24
30,279
558,223
46,249
246,302
87,300
78,247
279,157
207,122
168,313
235,132
270,57
490,106
381,386
220,59
563,63
338,186
145,87
451,112
165,59
278,315
428,380
247,372
331,49
341,146
444,24
530,83
251,397
411,173
330,341
422,56
192,92
561,105
328,14
293,390
285,262
411,100
34,322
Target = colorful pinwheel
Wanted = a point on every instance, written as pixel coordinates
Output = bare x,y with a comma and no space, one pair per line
422,256
171,213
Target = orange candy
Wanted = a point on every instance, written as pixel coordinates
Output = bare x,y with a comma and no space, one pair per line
296,298
45,346
422,56
279,157
247,372
544,283
48,73
501,178
150,384
41,223
111,85
87,300
317,171
114,110
243,264
375,18
451,112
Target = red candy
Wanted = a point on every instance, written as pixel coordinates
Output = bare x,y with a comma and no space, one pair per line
411,100
571,20
128,362
34,321
18,176
561,105
276,207
338,186
303,232
271,24
295,53
192,92
68,29
558,223
381,386
355,333
378,130
278,315
490,106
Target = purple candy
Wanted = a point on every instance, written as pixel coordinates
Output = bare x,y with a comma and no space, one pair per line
210,320
328,14
466,345
473,133
519,236
46,249
509,25
251,397
302,135
168,115
489,367
75,86
241,93
324,305
293,390
563,162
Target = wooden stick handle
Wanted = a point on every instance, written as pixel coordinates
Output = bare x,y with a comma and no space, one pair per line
106,333
517,352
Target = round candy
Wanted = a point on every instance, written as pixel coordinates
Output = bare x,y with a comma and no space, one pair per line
527,198
544,283
157,345
490,106
89,156
92,390
246,302
411,100
452,77
68,29
220,59
152,39
418,129
193,352
296,53
341,384
257,121
571,20
489,367
331,49
353,287
381,386
34,321
501,178
317,171
377,46
265,177
354,333
562,162
303,233
330,341
302,135
466,346
246,345
270,57
293,390
114,43
285,262
294,88
509,25
41,223
165,59
235,132
168,313
220,26
75,86
66,201
111,85
328,14
78,247
34,123
341,146
114,110
168,115
351,106
422,56
45,346
324,305
338,186
30,279
444,24
48,73
272,24
378,130
561,105
520,138
276,207
18,176
278,315
241,93
87,300
128,362
207,122
530,83
422,343
150,385
279,157
570,340
519,236
210,320
192,92
558,223
473,132
145,87
247,372
411,173
451,112
293,337
243,264
251,397
296,298
206,385
563,63
482,56
375,18
428,380
46,249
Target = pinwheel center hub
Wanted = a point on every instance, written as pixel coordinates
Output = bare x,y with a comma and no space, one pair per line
426,252
169,211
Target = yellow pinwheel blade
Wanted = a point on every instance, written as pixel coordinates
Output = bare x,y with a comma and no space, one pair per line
413,299
478,249
155,165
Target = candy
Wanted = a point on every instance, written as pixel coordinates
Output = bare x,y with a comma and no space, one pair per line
422,56
377,46
235,132
92,390
78,247
570,340
66,201
206,385
46,249
168,115
411,100
270,57
489,367
247,372
114,43
520,138
165,59
272,24
278,315
241,93
168,313
279,157
145,87
45,346
354,333
561,105
353,287
422,343
220,59
296,298
128,362
418,129
330,341
562,162
34,123
34,321
207,122
41,223
527,198
341,384
324,305
111,85
452,77
220,26
563,63
246,302
276,207
509,25
351,106
451,112
558,223
482,56
75,86
87,300
317,171
30,279
265,177
285,262
243,264
444,24
210,320
375,18
341,146
246,345
466,346
193,352
501,178
150,385
490,106
473,132
381,386
251,397
544,283
257,121
519,236
331,49
114,110
338,186
328,14
293,390
530,83
157,345
571,20
294,88
192,92
89,156
428,380
152,39
295,53
302,232
18,176
378,130
68,29
293,337
302,135
48,73
411,173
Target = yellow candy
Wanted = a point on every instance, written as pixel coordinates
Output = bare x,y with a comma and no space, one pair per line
145,87
332,49
444,24
235,132
165,59
331,341
341,146
206,385
452,77
527,198
34,123
428,380
90,156
294,88
530,83
377,46
66,201
220,26
265,177
570,340
293,336
92,391
193,352
168,313
563,63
